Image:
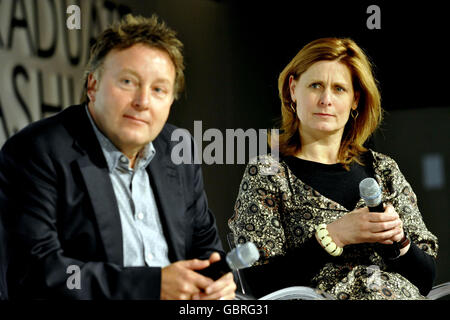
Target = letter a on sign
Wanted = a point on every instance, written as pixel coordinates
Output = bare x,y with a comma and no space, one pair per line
74,20
374,20
74,281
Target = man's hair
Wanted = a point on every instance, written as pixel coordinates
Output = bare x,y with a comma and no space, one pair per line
133,30
357,131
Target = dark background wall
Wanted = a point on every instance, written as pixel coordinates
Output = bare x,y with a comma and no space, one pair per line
235,51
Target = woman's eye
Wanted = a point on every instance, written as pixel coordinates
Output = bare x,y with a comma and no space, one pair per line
340,89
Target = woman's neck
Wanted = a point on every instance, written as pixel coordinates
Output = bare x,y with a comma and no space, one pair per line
322,149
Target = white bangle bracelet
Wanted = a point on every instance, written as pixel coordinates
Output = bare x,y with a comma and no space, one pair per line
326,241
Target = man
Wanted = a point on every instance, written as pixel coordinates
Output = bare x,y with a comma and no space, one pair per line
96,207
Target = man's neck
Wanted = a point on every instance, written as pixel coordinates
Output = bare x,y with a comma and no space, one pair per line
132,155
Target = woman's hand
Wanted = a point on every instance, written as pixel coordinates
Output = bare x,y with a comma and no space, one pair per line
361,226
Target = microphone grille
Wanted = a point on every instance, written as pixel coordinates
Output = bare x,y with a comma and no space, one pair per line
244,256
369,190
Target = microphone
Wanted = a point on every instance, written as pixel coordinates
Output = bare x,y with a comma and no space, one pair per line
243,256
370,192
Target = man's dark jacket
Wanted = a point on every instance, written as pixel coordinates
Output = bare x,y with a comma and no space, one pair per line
61,211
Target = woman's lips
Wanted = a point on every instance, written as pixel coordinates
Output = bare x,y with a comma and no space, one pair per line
323,114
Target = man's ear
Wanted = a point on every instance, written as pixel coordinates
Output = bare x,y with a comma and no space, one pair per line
92,84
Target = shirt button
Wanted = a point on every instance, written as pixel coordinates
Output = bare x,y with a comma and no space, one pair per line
149,256
123,159
140,216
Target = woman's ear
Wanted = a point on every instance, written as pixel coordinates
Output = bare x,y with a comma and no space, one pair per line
356,100
292,84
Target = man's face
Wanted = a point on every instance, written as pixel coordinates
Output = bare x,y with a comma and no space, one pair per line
130,103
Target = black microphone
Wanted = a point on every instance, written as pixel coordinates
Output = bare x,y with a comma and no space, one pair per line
243,256
370,192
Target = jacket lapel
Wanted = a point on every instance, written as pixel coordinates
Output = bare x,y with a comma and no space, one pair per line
166,185
101,193
94,171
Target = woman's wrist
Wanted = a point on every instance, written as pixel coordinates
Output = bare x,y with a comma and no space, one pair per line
404,250
335,235
325,240
404,244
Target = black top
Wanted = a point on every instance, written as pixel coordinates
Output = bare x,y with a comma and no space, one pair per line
341,186
331,180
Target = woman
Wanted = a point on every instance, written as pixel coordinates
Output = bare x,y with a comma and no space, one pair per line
306,217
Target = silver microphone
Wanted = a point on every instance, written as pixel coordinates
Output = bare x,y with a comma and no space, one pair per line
370,192
243,256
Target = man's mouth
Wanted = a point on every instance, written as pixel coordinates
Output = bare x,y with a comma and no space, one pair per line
135,119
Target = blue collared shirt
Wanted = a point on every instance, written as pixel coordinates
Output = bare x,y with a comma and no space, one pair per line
143,238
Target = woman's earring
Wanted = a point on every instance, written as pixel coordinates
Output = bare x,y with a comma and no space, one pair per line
293,107
354,114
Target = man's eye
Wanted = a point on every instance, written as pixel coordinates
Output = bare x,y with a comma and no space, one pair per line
315,85
127,82
340,89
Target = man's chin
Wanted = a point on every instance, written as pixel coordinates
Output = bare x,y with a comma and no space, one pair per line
137,138
126,144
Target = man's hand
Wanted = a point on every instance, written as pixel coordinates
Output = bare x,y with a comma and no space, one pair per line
179,281
223,288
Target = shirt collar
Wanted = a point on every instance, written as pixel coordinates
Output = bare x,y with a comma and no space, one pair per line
114,157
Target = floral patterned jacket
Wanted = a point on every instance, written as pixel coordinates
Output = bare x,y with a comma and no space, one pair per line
277,211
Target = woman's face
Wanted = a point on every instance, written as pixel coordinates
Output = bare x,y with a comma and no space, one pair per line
324,96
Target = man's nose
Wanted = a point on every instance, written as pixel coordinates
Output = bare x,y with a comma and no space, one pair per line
142,98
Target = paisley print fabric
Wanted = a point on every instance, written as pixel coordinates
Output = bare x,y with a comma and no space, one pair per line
277,211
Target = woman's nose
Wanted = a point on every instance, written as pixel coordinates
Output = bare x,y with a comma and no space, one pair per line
325,98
